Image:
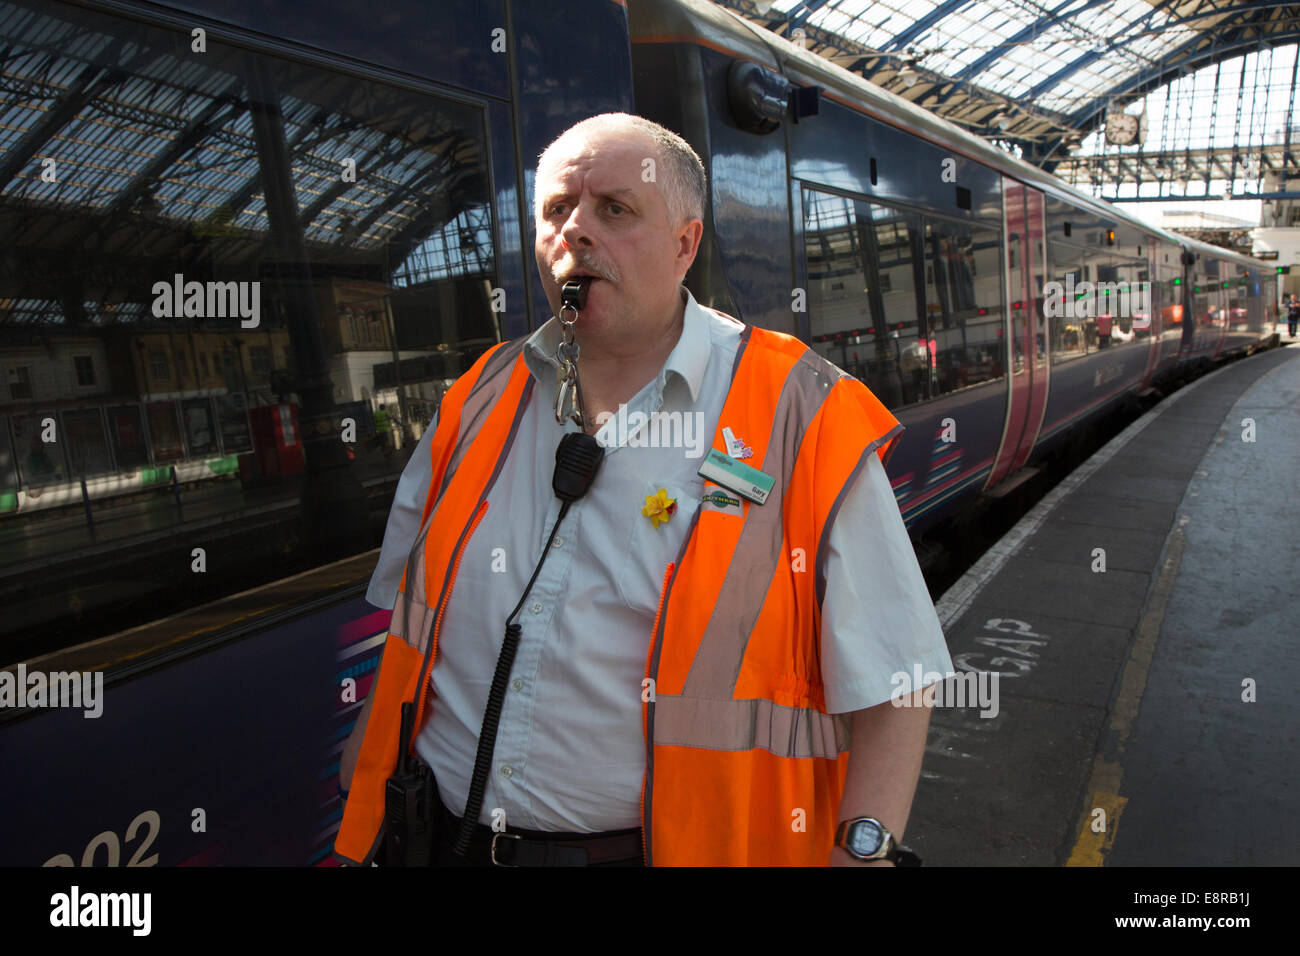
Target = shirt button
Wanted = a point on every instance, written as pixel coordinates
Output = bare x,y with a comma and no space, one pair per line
537,608
507,771
557,542
517,684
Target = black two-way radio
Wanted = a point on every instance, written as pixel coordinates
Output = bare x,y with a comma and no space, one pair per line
410,803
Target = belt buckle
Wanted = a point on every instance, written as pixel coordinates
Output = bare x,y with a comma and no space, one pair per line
497,836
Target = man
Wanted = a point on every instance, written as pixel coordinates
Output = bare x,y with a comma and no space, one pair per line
384,430
682,650
1292,316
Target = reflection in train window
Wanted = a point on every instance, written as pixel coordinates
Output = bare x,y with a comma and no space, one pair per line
964,310
1065,323
230,256
871,312
1271,310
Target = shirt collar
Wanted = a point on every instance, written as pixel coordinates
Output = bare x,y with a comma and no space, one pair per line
688,360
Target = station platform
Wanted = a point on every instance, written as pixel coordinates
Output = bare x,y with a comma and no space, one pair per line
1156,696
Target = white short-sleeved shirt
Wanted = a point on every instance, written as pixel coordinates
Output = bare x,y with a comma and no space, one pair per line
570,755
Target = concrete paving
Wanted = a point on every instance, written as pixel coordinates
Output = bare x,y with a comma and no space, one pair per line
1122,736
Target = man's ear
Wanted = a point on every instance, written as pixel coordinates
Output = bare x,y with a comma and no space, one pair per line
688,245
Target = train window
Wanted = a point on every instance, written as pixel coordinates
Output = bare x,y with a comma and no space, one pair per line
1239,319
859,272
235,288
1142,301
1066,321
871,312
1271,310
964,308
1206,304
1098,307
1168,299
1120,309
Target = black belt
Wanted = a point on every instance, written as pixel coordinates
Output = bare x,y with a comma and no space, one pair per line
537,848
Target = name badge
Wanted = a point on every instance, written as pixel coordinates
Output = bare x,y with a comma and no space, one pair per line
736,476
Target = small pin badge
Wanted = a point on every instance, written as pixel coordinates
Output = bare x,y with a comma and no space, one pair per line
736,447
721,500
659,507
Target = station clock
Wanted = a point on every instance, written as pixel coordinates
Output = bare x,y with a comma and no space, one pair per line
1125,129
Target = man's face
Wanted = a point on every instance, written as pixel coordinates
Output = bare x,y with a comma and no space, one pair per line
598,217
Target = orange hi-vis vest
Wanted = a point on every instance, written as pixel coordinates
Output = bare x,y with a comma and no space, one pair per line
743,764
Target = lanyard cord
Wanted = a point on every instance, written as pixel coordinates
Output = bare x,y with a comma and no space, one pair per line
487,738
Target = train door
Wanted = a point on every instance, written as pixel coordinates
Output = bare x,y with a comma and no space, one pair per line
1144,319
1191,305
1026,332
1223,313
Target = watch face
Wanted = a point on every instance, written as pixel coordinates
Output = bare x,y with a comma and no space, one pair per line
865,838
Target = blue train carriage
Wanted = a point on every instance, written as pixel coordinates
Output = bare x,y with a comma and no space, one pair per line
927,286
222,217
921,258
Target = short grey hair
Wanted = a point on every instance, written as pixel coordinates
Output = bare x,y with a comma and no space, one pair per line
679,171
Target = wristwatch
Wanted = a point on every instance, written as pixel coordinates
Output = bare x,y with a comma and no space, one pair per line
866,839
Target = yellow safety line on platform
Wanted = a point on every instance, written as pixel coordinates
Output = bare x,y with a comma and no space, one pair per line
1098,833
1090,848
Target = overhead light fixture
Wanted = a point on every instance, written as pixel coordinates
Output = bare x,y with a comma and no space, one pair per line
1002,120
908,72
763,6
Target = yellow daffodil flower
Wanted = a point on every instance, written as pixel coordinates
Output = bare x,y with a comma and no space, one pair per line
659,508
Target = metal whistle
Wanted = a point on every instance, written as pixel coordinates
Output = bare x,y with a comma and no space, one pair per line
568,391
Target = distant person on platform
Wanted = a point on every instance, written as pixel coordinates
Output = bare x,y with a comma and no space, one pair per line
1292,316
384,430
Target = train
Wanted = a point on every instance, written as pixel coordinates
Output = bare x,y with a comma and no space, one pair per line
191,497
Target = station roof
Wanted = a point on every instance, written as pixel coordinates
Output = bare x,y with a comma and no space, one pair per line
1026,72
134,156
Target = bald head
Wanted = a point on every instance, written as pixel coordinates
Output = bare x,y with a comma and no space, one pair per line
677,169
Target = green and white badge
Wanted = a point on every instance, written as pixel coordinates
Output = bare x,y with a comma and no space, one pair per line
736,476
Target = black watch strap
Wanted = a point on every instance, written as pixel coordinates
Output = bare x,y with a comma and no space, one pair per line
905,857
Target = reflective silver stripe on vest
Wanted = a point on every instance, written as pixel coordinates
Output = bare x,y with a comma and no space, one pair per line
413,617
410,617
479,402
716,666
740,725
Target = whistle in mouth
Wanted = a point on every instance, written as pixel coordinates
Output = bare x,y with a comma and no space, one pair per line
574,294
